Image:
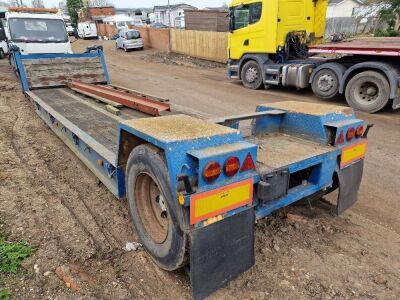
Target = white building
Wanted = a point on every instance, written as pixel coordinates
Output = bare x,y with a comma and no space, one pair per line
342,8
120,21
172,15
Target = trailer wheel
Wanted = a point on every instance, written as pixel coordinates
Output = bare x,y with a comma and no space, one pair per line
368,91
325,84
251,75
153,209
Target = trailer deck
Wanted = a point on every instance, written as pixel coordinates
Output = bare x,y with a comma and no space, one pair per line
361,46
276,150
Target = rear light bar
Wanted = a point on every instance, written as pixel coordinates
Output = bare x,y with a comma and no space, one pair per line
231,166
248,164
340,138
351,133
211,171
359,131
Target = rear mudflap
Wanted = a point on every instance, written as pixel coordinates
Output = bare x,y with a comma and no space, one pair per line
221,252
349,184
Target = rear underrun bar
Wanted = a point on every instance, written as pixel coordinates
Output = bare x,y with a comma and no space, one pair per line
143,104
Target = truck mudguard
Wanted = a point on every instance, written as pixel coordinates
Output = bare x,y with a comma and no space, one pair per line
387,69
335,67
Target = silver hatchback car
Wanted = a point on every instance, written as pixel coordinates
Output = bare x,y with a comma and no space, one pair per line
129,39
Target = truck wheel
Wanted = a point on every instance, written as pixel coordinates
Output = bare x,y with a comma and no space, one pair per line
1,53
325,84
251,75
153,209
368,91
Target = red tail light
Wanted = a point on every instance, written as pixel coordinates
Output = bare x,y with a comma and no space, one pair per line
248,163
340,138
211,171
231,166
351,132
359,131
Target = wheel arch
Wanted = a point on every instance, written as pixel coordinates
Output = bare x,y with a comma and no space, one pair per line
127,142
385,69
337,68
261,59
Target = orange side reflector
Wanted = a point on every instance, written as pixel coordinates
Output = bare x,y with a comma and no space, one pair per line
215,202
353,152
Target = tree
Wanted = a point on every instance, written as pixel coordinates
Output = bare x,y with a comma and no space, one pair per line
37,3
391,14
73,7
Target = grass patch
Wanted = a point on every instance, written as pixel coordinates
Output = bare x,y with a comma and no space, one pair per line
5,294
11,255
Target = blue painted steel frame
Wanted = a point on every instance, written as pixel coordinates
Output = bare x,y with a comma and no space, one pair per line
18,58
183,157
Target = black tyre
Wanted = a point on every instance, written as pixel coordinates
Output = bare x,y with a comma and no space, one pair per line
152,207
251,75
368,91
2,55
325,84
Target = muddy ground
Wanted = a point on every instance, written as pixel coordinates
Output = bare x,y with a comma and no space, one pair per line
78,228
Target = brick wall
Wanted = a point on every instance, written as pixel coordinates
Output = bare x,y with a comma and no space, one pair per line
101,11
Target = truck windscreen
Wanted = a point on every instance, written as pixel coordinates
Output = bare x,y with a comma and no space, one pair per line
37,30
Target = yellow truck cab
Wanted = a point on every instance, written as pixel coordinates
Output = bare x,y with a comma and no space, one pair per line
263,26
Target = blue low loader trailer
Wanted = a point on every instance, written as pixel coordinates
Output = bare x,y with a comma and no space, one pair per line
196,187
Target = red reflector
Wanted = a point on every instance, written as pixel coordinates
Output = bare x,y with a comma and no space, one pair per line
248,164
351,132
340,139
211,171
359,131
231,166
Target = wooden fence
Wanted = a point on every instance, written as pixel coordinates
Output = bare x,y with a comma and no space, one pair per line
202,44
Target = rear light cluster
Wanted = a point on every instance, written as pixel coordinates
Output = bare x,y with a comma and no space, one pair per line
350,134
231,167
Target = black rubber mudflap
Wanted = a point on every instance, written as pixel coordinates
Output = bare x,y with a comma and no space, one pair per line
349,183
220,252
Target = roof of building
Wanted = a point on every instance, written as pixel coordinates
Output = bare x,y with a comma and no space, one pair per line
118,18
335,2
222,8
173,6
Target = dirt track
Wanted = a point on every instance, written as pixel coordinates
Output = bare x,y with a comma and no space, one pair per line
49,198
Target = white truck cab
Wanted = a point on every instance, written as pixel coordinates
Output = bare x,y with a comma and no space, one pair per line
36,31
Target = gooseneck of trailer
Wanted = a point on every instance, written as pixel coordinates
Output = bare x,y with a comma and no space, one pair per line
194,187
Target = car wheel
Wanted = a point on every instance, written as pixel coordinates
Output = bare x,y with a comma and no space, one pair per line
251,75
154,210
325,84
368,91
2,55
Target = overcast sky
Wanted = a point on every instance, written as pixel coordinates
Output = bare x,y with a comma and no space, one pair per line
151,3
